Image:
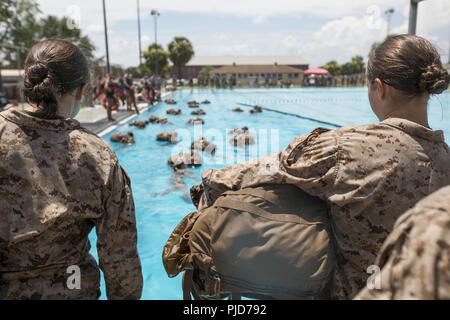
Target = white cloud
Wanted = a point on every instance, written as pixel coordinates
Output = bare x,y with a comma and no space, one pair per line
351,28
343,38
291,44
259,19
120,10
94,28
433,23
434,16
147,40
219,48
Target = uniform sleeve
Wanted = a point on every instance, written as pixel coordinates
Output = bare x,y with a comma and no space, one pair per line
248,174
117,239
414,260
311,162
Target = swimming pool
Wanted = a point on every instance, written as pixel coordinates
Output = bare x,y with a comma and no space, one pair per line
295,112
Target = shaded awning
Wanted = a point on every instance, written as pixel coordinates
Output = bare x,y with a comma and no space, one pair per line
316,71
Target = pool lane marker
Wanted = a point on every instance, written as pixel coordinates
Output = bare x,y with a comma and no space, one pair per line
293,115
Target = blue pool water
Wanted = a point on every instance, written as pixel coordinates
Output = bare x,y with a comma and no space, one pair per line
158,209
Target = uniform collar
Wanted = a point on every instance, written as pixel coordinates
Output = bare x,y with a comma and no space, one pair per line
415,129
23,119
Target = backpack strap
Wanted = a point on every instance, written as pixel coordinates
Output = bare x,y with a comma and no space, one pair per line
258,193
253,209
189,291
187,284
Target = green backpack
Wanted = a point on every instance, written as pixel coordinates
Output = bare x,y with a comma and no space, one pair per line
268,242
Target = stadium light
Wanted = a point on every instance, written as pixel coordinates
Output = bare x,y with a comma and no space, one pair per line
388,14
413,16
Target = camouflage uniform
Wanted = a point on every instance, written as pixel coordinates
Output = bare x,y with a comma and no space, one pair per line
415,259
57,182
369,175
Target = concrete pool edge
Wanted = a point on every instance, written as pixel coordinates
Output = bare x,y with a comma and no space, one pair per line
112,126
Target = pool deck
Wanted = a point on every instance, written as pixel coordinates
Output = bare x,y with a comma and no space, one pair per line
95,118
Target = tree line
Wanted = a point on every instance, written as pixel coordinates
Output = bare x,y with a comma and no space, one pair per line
355,66
22,25
179,51
21,28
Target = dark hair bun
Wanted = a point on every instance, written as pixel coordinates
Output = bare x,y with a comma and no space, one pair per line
435,79
38,72
53,68
408,63
38,83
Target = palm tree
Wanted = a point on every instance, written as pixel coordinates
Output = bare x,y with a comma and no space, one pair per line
204,75
333,67
358,64
181,52
355,66
156,59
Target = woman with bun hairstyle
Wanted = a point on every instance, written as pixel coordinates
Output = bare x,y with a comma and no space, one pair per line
59,181
368,175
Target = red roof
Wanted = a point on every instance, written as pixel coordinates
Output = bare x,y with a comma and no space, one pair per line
316,71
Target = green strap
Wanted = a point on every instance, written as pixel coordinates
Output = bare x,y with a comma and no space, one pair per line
268,196
251,208
187,284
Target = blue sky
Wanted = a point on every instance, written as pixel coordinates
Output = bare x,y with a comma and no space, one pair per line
318,30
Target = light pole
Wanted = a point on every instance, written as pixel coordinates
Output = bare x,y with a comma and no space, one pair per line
449,51
1,80
139,33
155,15
388,14
413,16
108,65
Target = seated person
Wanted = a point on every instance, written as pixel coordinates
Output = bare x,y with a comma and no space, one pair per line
368,175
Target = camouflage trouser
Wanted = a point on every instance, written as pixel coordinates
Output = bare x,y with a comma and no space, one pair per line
51,283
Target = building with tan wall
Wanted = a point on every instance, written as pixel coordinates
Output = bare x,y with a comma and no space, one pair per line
193,68
250,75
12,83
